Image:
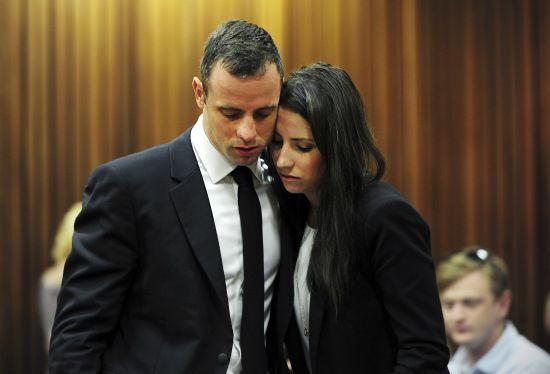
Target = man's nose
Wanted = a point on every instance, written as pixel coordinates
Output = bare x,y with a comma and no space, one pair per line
457,313
247,130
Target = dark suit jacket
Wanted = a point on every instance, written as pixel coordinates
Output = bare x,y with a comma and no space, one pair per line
144,288
392,319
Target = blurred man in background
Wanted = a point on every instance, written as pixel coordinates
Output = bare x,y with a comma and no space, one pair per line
475,294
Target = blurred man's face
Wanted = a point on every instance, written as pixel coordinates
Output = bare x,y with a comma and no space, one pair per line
473,316
239,113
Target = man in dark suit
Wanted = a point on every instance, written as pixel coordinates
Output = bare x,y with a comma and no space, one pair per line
154,282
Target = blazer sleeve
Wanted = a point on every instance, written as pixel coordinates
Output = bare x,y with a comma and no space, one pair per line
97,275
405,277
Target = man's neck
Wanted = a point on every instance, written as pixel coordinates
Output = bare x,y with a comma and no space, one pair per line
475,354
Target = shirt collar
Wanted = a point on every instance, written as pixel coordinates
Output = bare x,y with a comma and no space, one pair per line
492,360
216,164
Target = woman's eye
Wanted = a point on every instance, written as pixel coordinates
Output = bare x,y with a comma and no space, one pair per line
304,149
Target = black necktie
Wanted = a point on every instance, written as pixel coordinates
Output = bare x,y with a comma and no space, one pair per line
253,356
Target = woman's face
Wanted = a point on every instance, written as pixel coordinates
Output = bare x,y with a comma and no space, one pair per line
298,160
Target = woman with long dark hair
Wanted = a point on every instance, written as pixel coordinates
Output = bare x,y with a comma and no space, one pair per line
365,295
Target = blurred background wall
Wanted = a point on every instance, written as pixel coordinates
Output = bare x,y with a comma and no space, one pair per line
458,92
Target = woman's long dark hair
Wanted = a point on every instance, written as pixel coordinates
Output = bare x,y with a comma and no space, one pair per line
327,99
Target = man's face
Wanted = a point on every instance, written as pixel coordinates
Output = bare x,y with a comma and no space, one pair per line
473,316
239,114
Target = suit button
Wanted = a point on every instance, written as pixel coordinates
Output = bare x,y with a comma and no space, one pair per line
222,358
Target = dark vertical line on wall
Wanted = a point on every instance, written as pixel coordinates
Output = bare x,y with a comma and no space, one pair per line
7,245
85,19
38,257
122,35
343,43
526,60
77,42
132,77
497,125
484,195
52,127
395,51
71,99
539,13
541,16
451,135
513,185
48,134
121,118
425,93
463,135
5,151
506,125
17,272
439,161
468,145
370,35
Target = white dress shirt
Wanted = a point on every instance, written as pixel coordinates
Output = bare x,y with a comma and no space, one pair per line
222,194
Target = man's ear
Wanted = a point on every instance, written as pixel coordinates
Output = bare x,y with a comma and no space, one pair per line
199,92
504,304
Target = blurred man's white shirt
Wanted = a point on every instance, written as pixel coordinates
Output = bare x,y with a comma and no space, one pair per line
512,354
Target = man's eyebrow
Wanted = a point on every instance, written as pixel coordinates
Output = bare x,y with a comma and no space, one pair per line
227,107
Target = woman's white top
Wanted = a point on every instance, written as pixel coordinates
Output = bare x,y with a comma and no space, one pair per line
301,290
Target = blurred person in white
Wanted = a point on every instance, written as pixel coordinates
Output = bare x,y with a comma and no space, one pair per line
50,281
475,294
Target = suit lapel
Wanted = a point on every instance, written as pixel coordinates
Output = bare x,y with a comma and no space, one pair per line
195,214
286,269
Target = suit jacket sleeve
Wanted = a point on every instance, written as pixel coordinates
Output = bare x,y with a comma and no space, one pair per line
405,277
97,275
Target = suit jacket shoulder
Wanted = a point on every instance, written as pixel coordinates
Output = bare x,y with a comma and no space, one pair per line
381,197
174,159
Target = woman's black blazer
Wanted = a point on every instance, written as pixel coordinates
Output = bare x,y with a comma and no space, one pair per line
391,321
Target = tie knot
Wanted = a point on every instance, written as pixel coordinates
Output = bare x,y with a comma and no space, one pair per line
243,176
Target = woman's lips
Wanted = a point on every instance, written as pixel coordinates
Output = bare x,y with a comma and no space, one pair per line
289,178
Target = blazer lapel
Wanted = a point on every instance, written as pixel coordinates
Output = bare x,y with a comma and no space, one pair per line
316,313
195,214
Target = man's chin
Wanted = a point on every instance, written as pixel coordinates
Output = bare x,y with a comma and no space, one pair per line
462,339
245,160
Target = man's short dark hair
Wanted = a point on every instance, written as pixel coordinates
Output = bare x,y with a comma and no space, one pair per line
245,49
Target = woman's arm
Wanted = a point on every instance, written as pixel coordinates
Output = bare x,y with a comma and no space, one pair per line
404,274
